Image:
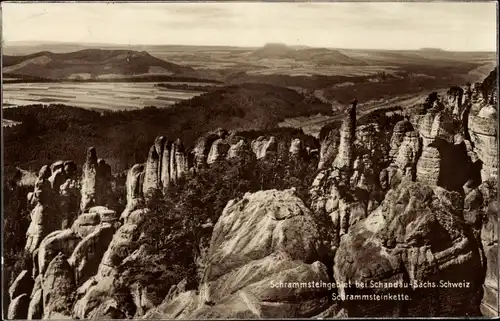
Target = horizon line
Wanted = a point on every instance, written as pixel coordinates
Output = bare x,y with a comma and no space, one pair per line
54,42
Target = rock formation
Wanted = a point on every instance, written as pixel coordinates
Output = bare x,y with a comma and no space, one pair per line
275,242
151,174
398,134
89,180
96,182
263,146
483,134
481,213
432,149
134,188
329,149
44,216
344,158
414,236
454,100
178,161
239,149
218,151
202,148
57,287
297,148
167,162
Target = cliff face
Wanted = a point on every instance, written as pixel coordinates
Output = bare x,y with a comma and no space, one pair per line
416,205
449,151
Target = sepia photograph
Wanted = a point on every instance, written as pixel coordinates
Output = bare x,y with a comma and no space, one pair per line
249,160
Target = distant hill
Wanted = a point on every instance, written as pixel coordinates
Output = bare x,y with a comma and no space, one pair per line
428,57
432,49
89,64
319,56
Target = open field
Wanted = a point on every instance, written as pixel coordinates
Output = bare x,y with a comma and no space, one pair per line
113,96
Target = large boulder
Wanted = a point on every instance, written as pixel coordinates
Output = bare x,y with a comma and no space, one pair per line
93,296
265,250
258,225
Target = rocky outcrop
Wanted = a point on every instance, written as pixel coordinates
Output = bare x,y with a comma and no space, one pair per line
61,241
239,149
19,293
408,152
398,134
441,151
481,213
167,162
94,292
489,240
344,158
218,151
18,308
454,100
135,198
263,146
178,161
329,149
96,182
429,166
267,238
44,216
483,134
69,198
152,179
89,181
88,253
202,148
416,239
23,284
297,148
58,288
35,309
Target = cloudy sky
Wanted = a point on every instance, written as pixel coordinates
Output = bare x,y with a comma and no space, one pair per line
446,25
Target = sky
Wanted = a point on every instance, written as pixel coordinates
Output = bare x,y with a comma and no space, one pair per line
460,26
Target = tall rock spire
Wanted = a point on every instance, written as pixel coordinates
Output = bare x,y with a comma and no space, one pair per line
345,155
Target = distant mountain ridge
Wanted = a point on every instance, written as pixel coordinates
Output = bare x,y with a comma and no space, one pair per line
319,56
89,64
